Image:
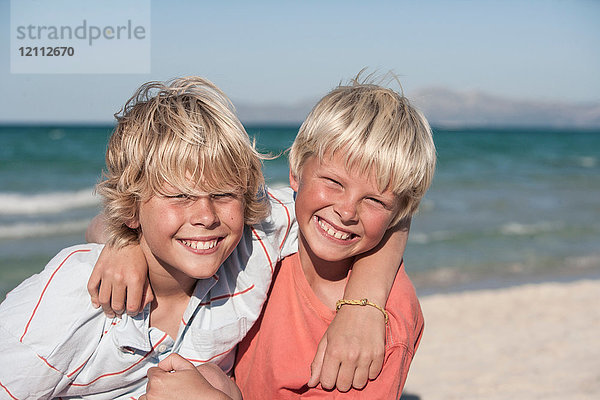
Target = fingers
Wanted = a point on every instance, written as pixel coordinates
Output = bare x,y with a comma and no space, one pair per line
350,367
376,365
345,375
135,294
118,296
93,287
361,377
112,298
329,370
119,281
174,362
317,364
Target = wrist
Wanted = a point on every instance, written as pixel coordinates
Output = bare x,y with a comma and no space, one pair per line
364,302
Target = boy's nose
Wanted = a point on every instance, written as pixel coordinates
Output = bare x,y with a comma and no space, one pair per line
204,213
346,209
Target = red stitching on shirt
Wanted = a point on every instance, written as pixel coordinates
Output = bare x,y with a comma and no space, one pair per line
47,363
126,369
7,391
78,368
264,248
44,291
224,296
212,358
287,212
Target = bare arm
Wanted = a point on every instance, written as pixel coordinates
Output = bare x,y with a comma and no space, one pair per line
353,348
96,230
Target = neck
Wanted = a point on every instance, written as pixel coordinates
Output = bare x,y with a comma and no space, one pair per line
172,290
166,280
327,279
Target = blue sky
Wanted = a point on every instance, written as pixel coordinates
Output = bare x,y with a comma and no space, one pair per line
276,52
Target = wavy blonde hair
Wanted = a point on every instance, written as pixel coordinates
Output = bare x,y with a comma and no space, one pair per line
182,135
376,130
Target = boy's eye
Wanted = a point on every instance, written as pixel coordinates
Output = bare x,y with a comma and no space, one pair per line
180,196
378,202
333,181
223,195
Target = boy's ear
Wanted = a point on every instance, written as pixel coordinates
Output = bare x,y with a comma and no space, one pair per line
293,182
133,223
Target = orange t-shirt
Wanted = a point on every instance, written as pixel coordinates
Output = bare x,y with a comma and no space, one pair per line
273,361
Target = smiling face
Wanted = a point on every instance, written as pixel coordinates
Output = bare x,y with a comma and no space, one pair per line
190,236
341,213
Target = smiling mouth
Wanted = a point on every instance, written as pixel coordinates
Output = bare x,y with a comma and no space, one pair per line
333,232
200,244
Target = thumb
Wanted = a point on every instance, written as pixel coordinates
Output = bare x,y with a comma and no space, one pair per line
175,363
317,364
93,286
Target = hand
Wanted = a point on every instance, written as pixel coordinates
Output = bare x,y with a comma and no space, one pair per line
176,378
351,351
120,276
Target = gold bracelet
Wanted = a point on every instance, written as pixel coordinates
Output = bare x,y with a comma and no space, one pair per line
361,302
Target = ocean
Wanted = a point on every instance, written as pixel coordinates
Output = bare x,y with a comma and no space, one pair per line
504,204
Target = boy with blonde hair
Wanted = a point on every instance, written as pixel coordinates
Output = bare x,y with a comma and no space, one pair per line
361,163
184,181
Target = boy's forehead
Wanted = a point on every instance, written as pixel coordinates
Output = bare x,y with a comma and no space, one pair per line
191,184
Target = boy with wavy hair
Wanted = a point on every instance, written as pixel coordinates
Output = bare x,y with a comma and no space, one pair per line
184,181
361,163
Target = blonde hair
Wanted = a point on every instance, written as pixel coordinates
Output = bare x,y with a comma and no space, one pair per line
182,134
375,130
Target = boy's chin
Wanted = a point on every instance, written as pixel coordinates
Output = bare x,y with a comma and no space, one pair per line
200,272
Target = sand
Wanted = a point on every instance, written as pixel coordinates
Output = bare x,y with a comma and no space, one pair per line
534,341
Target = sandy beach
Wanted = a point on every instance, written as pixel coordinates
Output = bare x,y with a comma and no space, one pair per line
531,341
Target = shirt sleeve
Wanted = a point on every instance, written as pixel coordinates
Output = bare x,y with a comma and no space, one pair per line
47,327
24,374
283,221
389,383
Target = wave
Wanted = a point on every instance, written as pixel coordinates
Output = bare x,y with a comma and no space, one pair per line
46,203
518,229
587,161
42,229
508,229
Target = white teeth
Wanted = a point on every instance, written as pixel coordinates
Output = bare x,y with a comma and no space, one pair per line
332,232
198,245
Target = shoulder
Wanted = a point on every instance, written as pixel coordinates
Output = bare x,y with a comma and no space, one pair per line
67,269
279,229
54,301
281,195
282,203
406,317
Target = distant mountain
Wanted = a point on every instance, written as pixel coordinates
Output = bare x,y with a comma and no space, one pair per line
445,107
448,108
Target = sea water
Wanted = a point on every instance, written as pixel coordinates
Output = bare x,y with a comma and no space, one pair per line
504,202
